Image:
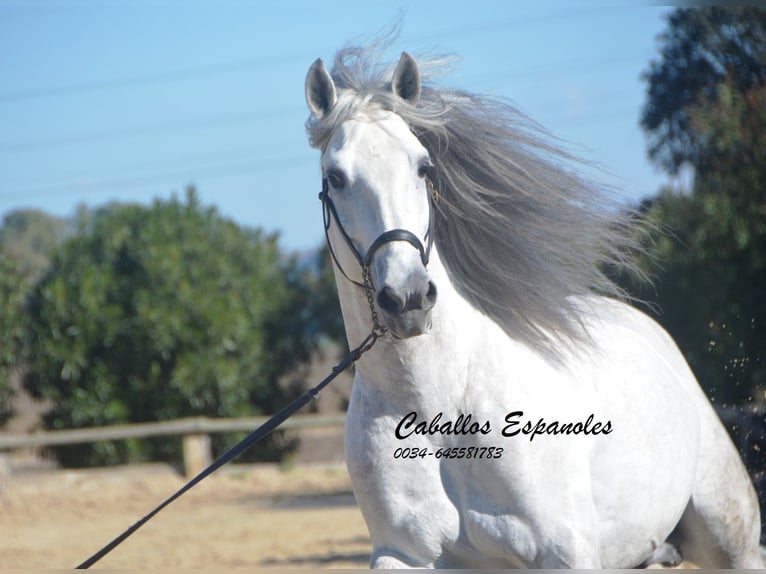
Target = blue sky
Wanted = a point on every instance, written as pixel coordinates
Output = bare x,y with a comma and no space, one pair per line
127,101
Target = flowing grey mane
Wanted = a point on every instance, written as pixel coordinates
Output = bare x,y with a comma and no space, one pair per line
517,230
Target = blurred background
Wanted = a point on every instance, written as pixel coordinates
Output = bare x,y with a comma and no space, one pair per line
161,245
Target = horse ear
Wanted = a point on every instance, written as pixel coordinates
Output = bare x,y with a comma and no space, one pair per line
406,80
320,89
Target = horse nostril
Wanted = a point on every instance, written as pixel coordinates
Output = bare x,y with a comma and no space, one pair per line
390,301
431,295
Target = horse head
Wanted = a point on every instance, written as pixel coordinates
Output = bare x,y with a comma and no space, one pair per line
377,199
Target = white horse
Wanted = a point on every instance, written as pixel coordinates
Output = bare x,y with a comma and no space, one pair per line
510,417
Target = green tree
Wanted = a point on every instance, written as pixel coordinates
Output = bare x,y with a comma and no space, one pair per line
324,307
29,237
160,312
12,325
708,260
706,108
701,49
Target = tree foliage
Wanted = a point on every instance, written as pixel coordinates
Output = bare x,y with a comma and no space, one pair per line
324,307
12,324
709,265
29,237
707,106
701,49
153,313
706,109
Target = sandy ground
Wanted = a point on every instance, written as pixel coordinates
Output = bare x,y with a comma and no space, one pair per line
244,516
257,516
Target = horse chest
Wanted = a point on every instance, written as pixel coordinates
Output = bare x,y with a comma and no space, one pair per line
457,510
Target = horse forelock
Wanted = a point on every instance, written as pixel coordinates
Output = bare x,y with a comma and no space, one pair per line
519,232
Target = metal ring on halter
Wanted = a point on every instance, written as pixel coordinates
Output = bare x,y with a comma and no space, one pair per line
329,213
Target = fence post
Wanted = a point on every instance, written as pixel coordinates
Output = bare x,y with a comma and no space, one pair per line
197,453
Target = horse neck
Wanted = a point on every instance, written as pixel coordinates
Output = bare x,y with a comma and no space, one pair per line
391,364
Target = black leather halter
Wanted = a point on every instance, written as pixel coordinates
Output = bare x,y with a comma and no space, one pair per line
329,213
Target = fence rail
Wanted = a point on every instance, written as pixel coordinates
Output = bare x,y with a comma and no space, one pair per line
195,431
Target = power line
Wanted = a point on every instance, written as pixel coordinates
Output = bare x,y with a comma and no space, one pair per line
227,168
41,180
171,175
595,118
574,66
20,146
558,121
245,166
525,22
265,62
141,131
148,79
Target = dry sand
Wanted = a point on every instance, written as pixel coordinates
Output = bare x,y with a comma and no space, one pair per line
256,516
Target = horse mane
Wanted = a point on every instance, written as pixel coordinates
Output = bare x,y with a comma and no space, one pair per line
522,236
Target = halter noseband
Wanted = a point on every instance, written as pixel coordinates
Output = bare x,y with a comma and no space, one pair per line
329,213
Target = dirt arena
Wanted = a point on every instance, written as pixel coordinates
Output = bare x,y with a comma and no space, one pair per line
256,516
245,516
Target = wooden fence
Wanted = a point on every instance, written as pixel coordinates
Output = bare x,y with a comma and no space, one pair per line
195,432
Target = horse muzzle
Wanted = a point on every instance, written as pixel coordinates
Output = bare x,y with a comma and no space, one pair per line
406,309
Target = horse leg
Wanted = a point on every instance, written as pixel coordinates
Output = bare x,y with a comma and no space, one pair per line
569,539
665,554
385,559
721,525
711,540
388,563
577,553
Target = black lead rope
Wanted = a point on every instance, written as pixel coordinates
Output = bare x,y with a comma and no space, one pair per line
257,435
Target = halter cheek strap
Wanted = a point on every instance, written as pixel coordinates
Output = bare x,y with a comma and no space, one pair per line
329,213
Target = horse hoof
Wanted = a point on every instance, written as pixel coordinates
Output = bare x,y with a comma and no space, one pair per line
665,554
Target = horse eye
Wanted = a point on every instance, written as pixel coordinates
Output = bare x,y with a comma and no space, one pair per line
336,179
425,169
